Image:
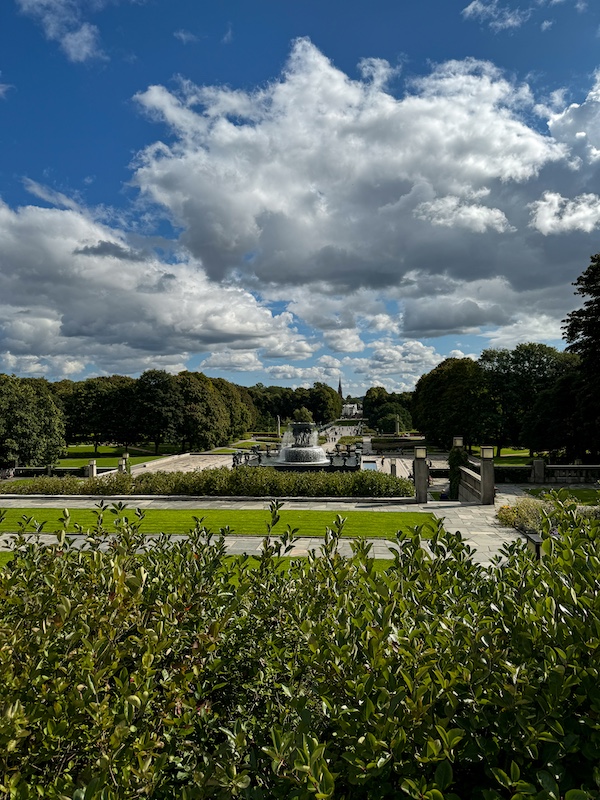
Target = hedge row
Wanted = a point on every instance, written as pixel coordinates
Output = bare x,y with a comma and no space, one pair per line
180,672
239,482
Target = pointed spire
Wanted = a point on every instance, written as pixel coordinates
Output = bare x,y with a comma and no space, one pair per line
341,394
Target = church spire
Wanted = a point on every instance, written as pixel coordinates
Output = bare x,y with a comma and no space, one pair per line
341,394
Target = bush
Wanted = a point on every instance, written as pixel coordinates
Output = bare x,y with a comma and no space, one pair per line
169,670
240,482
529,513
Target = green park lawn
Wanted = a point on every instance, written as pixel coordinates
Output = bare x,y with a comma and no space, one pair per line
585,497
360,524
107,455
511,456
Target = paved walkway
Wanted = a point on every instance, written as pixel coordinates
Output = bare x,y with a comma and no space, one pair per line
478,524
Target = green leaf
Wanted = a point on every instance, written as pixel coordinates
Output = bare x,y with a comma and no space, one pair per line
443,775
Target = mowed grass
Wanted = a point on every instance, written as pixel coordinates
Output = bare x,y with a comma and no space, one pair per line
107,455
359,524
585,497
511,456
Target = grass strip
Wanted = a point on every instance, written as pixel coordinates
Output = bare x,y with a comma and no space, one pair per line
359,524
585,497
107,455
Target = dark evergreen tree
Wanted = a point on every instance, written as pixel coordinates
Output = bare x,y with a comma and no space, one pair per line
581,331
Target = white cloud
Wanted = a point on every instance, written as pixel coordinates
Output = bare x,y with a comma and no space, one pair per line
316,177
63,21
530,328
185,36
556,214
228,35
498,17
344,341
246,361
453,213
98,300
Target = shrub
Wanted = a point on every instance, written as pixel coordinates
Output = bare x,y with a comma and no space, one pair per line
167,669
529,513
239,482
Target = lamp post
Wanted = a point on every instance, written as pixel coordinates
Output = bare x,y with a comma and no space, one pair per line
421,474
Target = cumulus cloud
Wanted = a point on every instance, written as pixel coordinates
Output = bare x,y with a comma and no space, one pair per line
76,291
318,176
451,212
246,361
556,214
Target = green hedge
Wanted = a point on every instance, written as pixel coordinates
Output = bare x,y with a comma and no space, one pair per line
239,482
181,672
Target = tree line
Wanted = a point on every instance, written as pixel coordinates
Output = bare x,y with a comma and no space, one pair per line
38,418
532,396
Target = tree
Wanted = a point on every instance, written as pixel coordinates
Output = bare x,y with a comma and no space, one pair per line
204,421
32,429
451,401
302,415
324,403
384,419
581,331
159,407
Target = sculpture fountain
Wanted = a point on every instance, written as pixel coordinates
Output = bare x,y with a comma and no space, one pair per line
300,451
300,445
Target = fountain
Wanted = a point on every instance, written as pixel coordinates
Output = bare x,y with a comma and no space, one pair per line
300,451
300,446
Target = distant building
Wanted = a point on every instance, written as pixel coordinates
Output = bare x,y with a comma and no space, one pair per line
350,410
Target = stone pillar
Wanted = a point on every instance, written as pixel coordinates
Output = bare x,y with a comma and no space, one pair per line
538,471
91,470
122,465
487,476
278,425
393,467
49,470
421,474
397,425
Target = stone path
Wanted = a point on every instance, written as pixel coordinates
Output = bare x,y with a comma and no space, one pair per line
478,524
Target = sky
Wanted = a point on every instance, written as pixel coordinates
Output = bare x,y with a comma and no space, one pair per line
290,192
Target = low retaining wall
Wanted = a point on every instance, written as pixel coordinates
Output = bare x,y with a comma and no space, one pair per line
469,490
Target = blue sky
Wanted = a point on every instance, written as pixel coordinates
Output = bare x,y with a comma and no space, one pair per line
292,192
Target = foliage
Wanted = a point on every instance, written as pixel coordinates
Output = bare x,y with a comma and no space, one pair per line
170,670
302,414
380,404
450,401
240,482
581,330
530,513
512,379
32,429
457,458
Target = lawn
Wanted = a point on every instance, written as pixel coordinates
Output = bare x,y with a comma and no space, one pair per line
511,456
107,455
360,524
585,497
